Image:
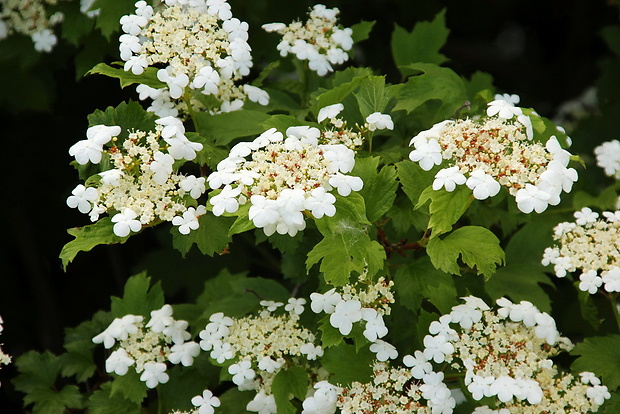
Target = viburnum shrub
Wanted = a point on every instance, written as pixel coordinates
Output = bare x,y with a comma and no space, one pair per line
405,231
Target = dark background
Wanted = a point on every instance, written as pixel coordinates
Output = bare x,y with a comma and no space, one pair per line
546,51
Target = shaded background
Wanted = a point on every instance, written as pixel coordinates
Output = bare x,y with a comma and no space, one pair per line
548,52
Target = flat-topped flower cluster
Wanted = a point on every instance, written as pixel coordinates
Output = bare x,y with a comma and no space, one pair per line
505,355
142,187
148,347
204,49
496,151
320,40
30,18
283,178
256,347
590,244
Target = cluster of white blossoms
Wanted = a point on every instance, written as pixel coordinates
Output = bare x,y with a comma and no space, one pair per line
4,358
366,302
256,347
283,178
395,391
30,18
142,186
320,40
495,151
505,355
608,158
203,48
591,245
148,347
336,131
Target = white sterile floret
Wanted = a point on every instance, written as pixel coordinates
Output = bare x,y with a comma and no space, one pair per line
329,112
189,220
345,315
118,362
346,183
448,178
311,351
262,403
532,198
598,394
611,279
375,326
608,158
585,216
437,347
83,198
427,153
44,41
193,185
295,305
377,120
419,364
590,281
271,305
482,184
325,302
384,351
184,353
154,374
125,222
119,329
256,94
206,403
504,106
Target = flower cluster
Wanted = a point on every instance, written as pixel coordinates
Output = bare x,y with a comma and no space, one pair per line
147,347
283,178
395,390
505,355
142,187
590,244
4,358
320,40
336,130
365,301
30,18
202,48
256,347
495,151
608,158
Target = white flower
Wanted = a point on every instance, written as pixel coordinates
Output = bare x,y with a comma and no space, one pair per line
125,222
86,151
465,315
590,282
503,108
160,319
418,363
505,388
118,362
269,365
310,351
585,216
325,302
136,64
383,350
262,404
436,348
479,386
154,373
522,312
263,211
346,313
102,134
343,38
146,92
375,326
531,198
598,393
329,112
226,200
176,83
546,328
295,305
177,332
448,178
256,94
161,166
82,198
427,153
184,353
132,24
206,402
241,371
611,278
193,185
271,305
442,327
346,183
529,389
172,127
377,120
208,79
483,185
119,329
44,40
189,220
221,351
320,203
220,8
340,158
608,157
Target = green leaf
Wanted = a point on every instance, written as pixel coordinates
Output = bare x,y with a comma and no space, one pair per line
225,127
139,298
418,280
149,77
476,246
210,237
600,355
128,115
380,187
446,207
110,14
522,281
88,237
336,94
422,44
102,402
330,336
346,365
292,382
36,371
234,401
129,386
432,83
372,96
414,179
282,122
361,30
49,401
